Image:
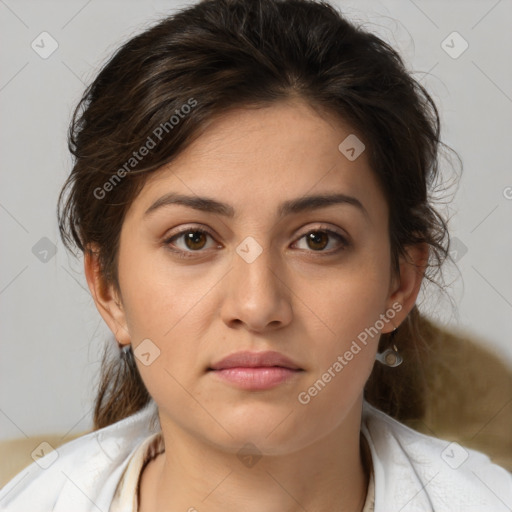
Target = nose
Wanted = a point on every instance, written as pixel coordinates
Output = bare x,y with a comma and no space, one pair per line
256,294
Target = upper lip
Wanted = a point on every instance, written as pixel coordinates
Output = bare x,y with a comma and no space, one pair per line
248,359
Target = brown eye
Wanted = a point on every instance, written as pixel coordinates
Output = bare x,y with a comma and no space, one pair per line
195,239
192,240
318,240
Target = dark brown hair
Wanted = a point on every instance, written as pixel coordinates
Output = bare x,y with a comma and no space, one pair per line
162,88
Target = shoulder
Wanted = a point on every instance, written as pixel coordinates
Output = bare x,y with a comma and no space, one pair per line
414,472
82,474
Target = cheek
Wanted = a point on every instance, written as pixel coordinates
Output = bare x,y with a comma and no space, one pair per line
168,304
347,310
350,298
345,345
346,340
157,292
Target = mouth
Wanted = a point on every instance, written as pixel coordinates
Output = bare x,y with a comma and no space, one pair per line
255,370
256,379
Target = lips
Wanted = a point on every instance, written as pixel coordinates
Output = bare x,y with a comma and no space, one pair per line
255,371
248,359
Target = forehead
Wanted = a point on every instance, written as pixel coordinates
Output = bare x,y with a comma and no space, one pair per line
254,159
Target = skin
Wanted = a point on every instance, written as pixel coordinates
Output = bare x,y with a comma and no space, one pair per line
294,298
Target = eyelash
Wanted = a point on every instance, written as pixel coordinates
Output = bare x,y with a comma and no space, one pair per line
189,254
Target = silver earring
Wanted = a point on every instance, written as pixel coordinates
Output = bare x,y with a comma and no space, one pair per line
390,357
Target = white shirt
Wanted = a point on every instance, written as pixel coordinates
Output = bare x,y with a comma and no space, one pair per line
411,472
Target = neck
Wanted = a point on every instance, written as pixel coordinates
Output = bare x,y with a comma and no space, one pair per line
330,474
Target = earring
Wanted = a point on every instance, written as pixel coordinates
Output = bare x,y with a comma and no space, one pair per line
123,349
126,350
390,357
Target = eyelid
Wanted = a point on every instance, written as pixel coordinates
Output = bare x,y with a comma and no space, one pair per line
188,229
344,240
326,228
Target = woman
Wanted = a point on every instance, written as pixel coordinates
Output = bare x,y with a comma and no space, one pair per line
251,192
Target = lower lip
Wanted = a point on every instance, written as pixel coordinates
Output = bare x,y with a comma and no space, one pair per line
256,378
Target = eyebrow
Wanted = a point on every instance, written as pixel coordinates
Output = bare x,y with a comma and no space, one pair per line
290,207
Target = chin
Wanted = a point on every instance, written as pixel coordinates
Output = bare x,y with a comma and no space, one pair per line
272,429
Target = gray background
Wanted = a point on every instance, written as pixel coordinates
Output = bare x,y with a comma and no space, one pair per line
51,333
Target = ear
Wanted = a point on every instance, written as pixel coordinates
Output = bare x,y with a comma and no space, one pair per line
405,287
105,296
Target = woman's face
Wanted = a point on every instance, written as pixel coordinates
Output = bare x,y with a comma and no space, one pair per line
257,282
